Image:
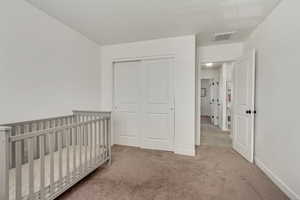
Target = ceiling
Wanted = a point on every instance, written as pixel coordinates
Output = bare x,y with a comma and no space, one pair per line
119,21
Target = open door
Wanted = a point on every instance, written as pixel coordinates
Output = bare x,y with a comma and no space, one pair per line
243,106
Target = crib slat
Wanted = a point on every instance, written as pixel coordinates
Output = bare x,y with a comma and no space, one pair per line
60,156
86,146
74,147
101,139
80,148
52,149
31,167
64,122
47,138
91,142
18,166
68,133
35,141
106,124
42,167
105,138
109,139
95,141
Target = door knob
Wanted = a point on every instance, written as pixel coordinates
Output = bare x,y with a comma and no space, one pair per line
248,111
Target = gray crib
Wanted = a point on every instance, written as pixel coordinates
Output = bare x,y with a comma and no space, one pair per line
41,159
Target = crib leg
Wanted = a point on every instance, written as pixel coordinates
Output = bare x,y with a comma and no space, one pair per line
4,162
109,135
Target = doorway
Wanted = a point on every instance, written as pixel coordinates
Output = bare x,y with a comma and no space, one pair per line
236,104
216,104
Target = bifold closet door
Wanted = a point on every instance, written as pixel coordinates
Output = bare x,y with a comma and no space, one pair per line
127,102
144,104
158,104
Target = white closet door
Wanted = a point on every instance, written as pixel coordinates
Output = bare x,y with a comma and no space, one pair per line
158,104
127,103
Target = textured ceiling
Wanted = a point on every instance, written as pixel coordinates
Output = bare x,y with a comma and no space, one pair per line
119,21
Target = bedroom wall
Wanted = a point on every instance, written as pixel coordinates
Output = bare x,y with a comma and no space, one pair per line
46,68
183,48
277,100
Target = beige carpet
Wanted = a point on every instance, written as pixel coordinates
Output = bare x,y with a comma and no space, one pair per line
216,173
214,136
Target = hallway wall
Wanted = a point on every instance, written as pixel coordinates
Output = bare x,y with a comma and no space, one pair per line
277,131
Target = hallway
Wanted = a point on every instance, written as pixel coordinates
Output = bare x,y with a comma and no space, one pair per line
214,136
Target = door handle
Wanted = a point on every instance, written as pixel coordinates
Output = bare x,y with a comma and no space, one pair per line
250,112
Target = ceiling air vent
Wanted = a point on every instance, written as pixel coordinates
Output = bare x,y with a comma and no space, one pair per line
223,36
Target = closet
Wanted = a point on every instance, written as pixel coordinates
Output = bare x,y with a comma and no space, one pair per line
144,106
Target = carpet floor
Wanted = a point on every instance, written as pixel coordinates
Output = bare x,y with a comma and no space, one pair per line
216,173
214,136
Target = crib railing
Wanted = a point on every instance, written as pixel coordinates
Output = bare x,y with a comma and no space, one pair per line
41,159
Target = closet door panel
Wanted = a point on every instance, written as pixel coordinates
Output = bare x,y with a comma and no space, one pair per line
127,103
158,107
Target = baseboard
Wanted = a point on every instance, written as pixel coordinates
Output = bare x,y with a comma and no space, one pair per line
185,151
284,187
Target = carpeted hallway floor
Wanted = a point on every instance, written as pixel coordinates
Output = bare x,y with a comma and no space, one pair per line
216,173
214,136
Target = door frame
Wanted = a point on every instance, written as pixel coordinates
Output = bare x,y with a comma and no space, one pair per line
198,101
141,59
198,96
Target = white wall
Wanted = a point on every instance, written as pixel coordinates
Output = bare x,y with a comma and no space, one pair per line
220,53
229,71
46,69
277,148
222,96
226,73
183,48
210,73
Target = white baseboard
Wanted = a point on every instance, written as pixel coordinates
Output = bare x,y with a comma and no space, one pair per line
284,187
185,151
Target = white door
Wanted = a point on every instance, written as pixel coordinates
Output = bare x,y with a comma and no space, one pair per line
127,103
158,104
215,102
143,104
212,96
243,107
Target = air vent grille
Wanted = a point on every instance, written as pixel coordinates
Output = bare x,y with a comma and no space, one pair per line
223,36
